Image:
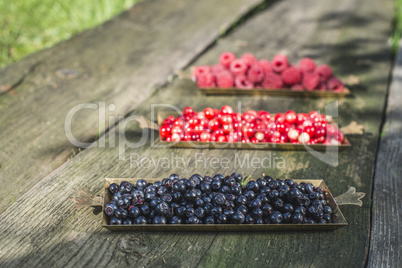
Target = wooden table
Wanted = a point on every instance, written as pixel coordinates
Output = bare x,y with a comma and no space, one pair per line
130,62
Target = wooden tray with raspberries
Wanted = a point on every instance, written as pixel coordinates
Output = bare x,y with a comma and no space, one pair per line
250,76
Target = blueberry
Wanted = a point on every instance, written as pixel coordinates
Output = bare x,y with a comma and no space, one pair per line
158,220
289,182
278,204
249,219
287,217
257,213
222,219
219,199
155,202
207,179
190,212
121,213
262,183
250,195
288,207
265,190
300,209
273,194
243,209
141,220
276,217
162,208
238,218
125,187
117,196
175,220
241,200
174,177
114,188
199,202
225,189
138,193
216,185
230,181
309,188
141,184
297,218
327,210
197,177
115,221
237,176
110,209
273,185
157,184
327,217
191,195
209,220
267,210
236,190
150,188
149,196
216,211
256,203
181,211
218,177
268,179
259,221
145,210
253,186
193,220
228,212
127,222
167,198
177,196
134,212
205,187
199,213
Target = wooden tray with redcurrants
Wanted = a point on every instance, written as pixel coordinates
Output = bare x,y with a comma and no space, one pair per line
249,76
227,129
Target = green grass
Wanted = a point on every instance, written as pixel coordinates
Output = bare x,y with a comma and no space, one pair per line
397,33
27,26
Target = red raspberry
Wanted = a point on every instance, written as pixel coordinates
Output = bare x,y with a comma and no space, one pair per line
200,70
217,68
266,66
248,59
238,67
324,72
291,76
255,73
224,79
206,80
226,59
242,82
310,81
297,87
279,63
335,84
272,80
307,65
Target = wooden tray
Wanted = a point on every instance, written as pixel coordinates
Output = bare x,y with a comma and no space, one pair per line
275,92
352,128
349,198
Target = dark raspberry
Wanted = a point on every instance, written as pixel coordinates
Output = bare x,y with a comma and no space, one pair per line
226,58
307,65
291,76
310,81
272,81
279,63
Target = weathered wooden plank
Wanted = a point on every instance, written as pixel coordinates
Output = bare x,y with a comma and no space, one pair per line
355,42
120,62
385,240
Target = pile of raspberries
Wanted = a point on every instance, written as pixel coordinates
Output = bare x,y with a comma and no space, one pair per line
248,73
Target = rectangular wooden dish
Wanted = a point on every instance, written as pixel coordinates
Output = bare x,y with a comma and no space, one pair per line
275,92
338,218
249,146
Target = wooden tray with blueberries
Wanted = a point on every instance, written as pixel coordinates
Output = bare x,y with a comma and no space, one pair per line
219,203
249,76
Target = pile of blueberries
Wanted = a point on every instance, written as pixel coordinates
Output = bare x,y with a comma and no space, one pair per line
217,200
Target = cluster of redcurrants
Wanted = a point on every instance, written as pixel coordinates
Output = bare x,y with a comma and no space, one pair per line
248,73
212,125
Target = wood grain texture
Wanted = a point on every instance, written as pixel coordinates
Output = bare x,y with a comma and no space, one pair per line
121,62
43,227
386,237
